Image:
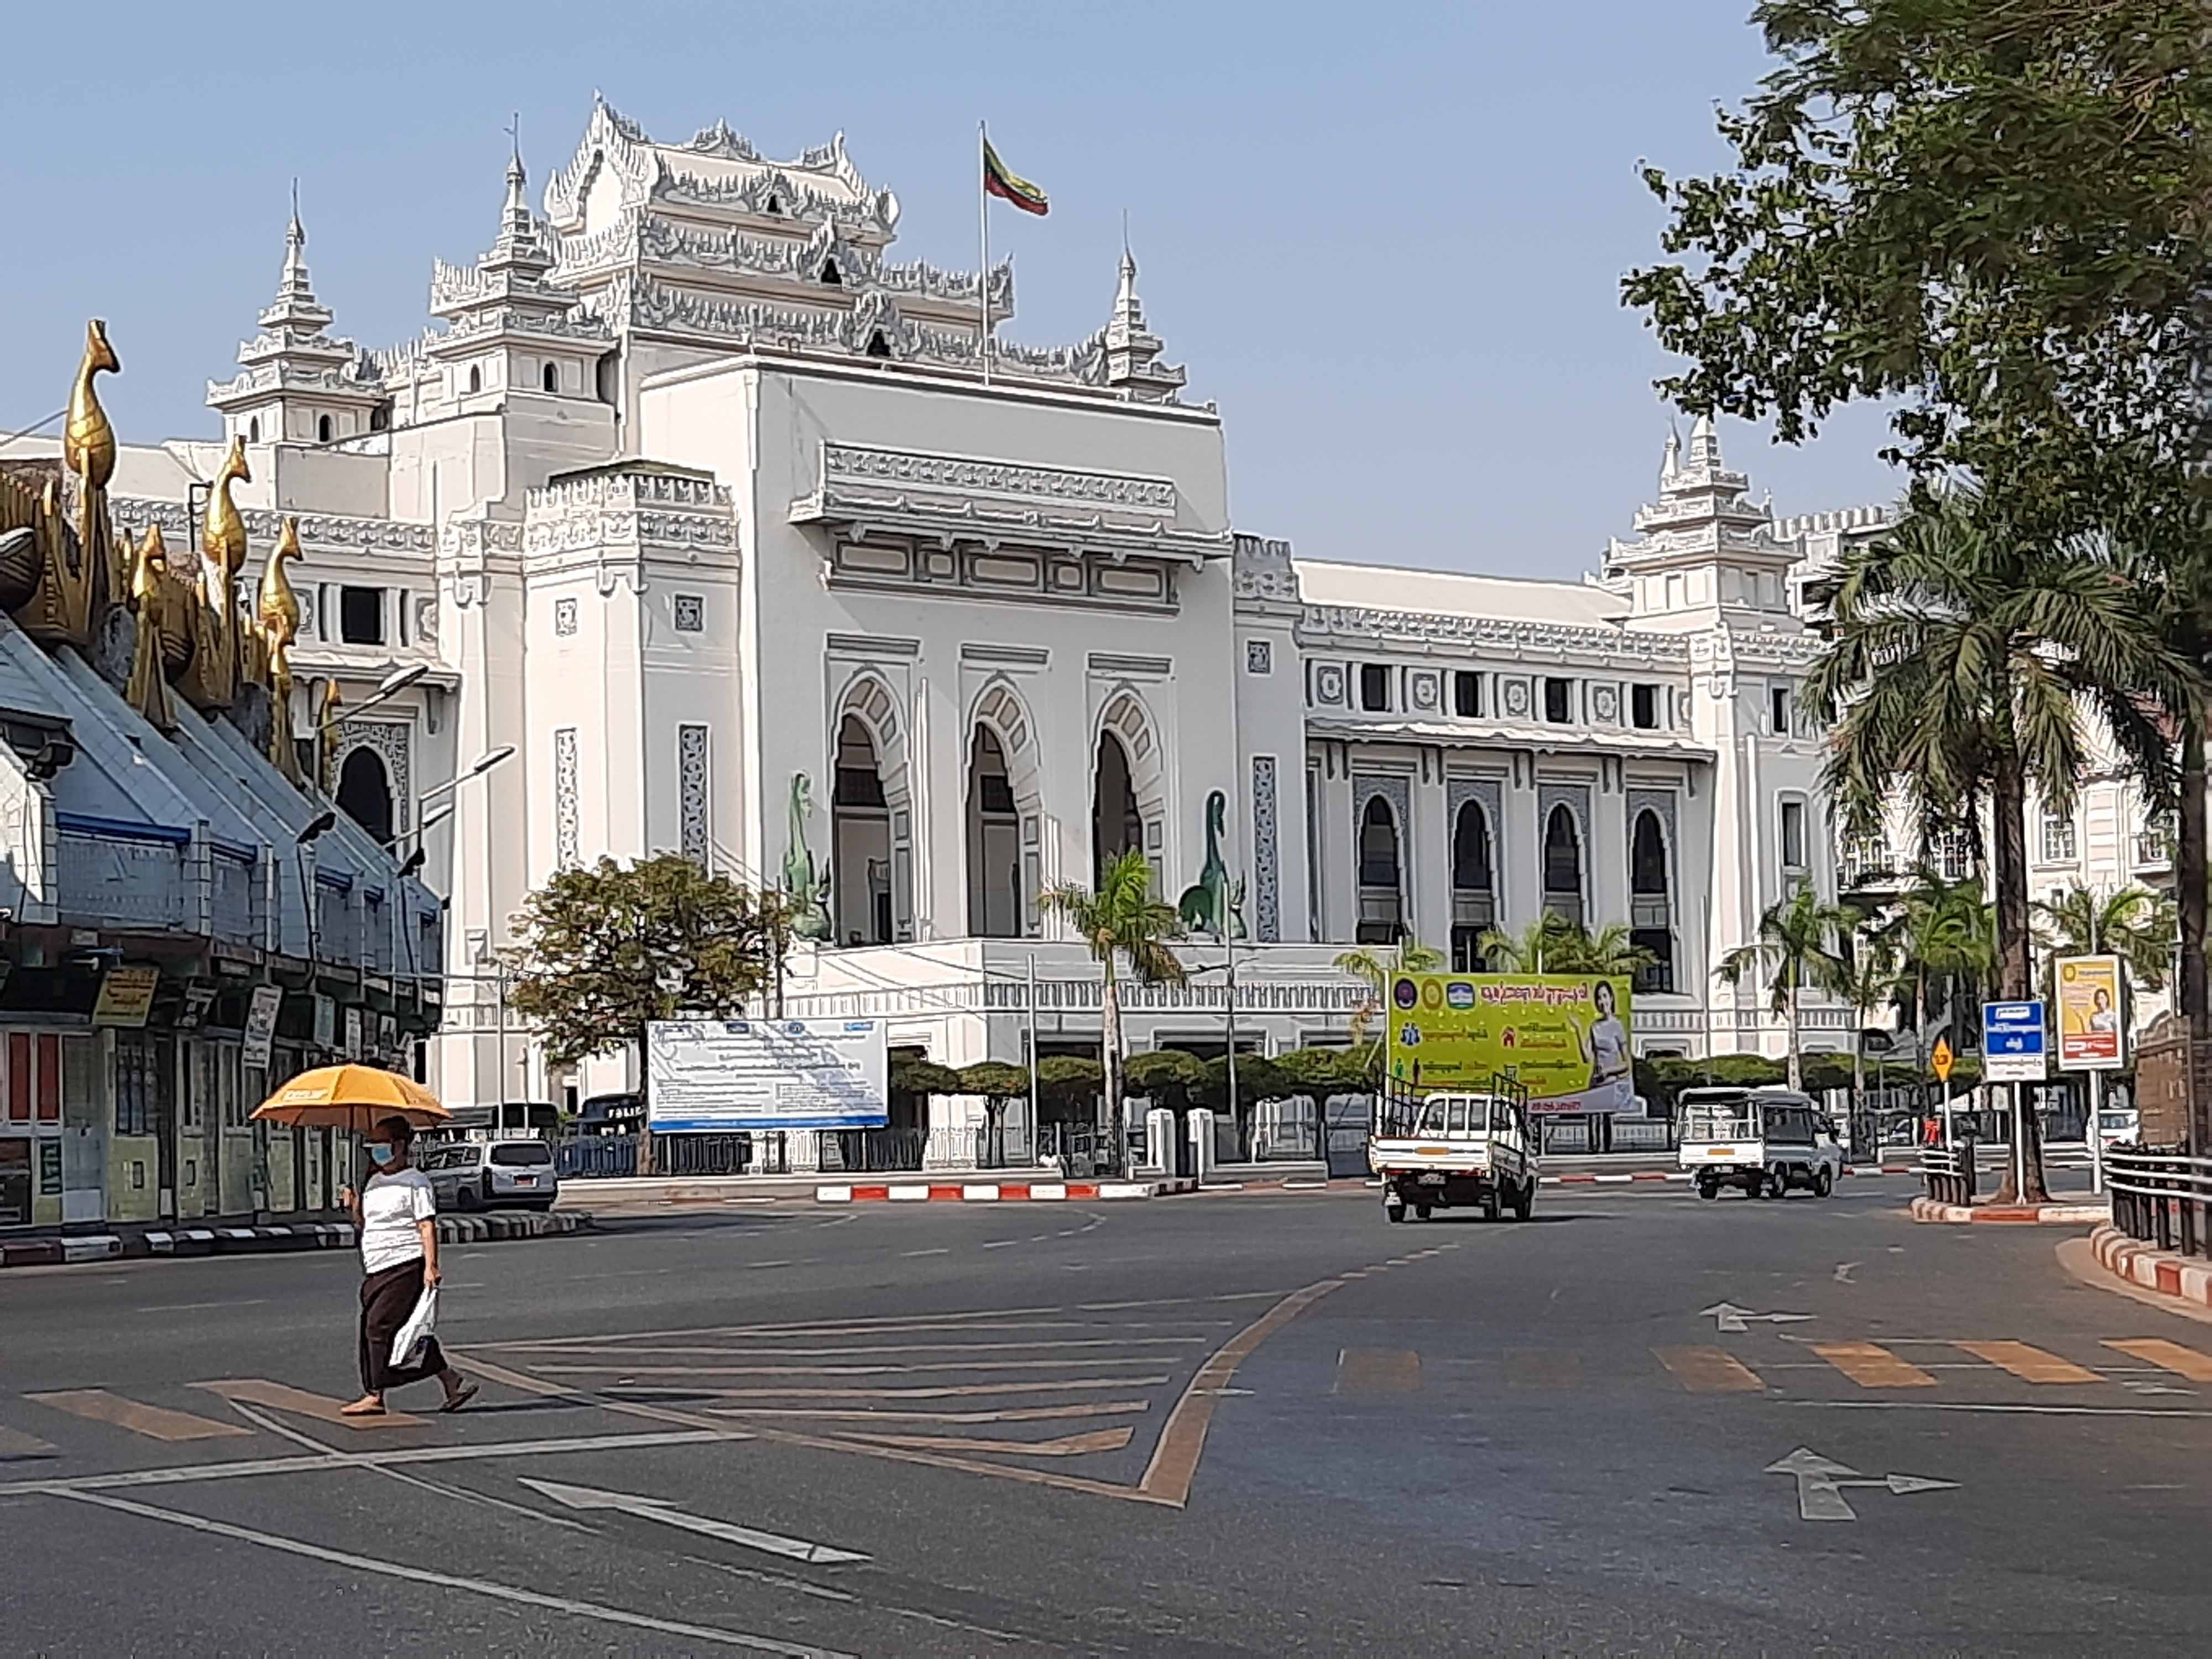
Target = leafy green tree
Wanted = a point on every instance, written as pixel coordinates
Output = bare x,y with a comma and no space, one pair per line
1962,665
1944,933
1068,1086
1990,216
1166,1077
996,1083
1121,922
602,952
1795,949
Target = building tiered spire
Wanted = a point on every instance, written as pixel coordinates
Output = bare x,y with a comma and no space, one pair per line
301,385
1704,543
1133,364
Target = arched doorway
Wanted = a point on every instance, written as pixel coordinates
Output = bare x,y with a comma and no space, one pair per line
1651,903
1563,867
1382,886
365,792
1475,891
995,854
1116,825
859,841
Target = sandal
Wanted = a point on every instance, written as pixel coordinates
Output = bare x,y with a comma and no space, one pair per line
358,1410
459,1397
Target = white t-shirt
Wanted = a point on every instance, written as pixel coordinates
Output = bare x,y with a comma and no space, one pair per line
390,1204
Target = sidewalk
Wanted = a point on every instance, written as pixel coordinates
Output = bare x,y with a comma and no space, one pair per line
2186,1278
2058,1213
290,1235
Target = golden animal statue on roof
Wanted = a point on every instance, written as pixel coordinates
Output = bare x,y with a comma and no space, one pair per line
155,599
211,678
277,625
75,581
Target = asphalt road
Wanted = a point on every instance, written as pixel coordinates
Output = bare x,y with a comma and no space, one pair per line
1212,1425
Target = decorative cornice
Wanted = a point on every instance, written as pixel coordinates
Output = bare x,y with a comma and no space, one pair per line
969,475
1335,622
323,530
631,510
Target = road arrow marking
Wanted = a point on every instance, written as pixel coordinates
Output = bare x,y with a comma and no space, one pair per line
657,1509
1727,1316
1820,1481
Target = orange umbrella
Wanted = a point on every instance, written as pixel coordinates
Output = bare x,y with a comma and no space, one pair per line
351,1097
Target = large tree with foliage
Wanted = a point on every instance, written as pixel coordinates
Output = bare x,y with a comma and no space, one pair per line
2132,923
1963,663
1997,217
1123,920
603,951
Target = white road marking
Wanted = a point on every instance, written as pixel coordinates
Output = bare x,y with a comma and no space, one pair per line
1727,1316
450,1581
1820,1481
1844,1272
941,1249
660,1509
2001,1410
189,1473
196,1307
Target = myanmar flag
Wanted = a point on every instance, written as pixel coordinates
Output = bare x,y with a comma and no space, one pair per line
1011,186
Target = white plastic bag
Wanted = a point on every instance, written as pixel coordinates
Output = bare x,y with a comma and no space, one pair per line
407,1347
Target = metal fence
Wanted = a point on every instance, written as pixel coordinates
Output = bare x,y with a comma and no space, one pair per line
2161,1198
1005,1146
1271,1138
1949,1174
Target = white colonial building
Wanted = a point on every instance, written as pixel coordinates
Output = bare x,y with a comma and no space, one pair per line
707,506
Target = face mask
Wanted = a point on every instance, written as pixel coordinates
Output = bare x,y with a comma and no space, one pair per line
381,1153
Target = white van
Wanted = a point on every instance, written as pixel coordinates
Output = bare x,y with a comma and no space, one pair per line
1763,1140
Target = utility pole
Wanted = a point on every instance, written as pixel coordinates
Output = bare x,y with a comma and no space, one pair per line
2093,1131
1031,1004
1228,949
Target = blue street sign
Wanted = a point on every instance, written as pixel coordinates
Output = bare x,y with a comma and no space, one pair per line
2012,1041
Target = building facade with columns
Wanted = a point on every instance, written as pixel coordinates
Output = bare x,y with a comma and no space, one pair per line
750,546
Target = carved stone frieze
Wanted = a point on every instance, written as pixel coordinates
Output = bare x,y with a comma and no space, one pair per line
979,475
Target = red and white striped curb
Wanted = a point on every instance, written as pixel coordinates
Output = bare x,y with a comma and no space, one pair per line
2018,1215
996,1191
2185,1277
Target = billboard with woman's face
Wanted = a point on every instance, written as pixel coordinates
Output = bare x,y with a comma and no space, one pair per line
1563,1037
2090,1036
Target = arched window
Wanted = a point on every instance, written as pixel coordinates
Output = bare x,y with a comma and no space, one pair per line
322,428
475,378
549,377
1651,902
995,854
860,841
831,277
1116,826
365,793
1382,892
253,430
774,205
878,346
379,418
1475,894
1563,867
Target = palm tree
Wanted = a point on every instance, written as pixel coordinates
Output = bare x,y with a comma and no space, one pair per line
1793,948
1867,976
1549,945
1960,663
1944,935
2134,924
1373,968
1122,920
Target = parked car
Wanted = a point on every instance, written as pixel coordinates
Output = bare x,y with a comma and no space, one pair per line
479,1175
611,1115
2119,1126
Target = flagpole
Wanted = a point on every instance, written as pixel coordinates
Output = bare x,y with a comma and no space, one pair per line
983,276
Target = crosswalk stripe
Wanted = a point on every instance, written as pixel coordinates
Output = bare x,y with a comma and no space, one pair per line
2197,1367
1710,1371
1873,1366
260,1391
152,1421
1053,1385
1541,1368
1071,1445
1018,1414
1378,1371
14,1442
2028,1363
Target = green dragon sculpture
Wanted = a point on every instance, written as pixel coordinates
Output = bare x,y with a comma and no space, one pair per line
810,896
1215,905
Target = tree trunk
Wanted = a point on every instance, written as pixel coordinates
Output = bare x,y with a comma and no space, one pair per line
1859,1112
2190,876
645,1159
2023,1181
1797,1060
1111,1031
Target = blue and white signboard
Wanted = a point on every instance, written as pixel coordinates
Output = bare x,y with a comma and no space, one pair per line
2012,1042
767,1074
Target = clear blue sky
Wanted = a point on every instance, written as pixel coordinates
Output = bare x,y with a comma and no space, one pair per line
1388,237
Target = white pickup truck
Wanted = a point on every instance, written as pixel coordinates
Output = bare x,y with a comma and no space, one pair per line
1462,1149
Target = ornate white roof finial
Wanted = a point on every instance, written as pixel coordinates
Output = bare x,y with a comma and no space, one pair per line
1132,349
1672,461
293,287
1705,443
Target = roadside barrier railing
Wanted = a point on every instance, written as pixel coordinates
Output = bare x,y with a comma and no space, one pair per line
1950,1175
2161,1198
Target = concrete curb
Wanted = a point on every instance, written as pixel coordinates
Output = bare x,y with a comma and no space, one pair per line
290,1235
2015,1215
996,1191
2185,1277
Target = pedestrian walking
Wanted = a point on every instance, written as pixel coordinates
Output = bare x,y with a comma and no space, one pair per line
396,1216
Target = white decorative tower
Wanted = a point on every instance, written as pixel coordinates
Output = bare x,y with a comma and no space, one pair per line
1703,549
299,385
1133,364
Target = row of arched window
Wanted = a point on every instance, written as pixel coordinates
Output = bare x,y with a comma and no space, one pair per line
1383,900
